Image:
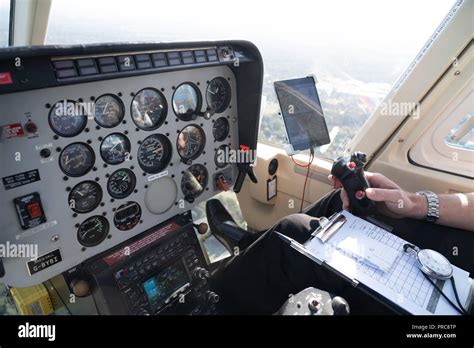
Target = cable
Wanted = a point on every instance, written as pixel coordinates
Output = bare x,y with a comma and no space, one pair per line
460,309
457,296
308,166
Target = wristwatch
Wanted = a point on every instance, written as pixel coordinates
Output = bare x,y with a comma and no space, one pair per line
433,205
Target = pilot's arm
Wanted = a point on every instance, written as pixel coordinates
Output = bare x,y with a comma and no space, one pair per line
455,210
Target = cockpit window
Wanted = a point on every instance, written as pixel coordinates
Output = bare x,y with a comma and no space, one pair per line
462,135
4,22
356,49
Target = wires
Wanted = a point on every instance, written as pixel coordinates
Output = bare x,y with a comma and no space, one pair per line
308,166
460,309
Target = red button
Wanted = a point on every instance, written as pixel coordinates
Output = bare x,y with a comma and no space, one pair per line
34,210
360,194
31,127
351,165
6,78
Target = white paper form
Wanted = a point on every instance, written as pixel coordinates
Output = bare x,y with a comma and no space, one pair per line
404,284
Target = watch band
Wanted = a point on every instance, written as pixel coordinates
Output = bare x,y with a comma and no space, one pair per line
433,205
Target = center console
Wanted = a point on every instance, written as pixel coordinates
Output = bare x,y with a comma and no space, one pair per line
161,272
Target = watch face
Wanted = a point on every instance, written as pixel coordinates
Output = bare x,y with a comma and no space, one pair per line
436,264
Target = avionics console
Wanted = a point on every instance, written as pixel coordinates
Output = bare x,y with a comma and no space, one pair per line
100,143
162,271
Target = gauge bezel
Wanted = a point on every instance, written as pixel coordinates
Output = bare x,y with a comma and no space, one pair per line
137,216
228,95
203,144
194,196
88,170
127,141
167,158
92,208
130,191
227,132
107,230
56,131
165,104
195,114
220,166
122,109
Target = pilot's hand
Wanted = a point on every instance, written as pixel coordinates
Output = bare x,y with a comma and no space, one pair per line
389,198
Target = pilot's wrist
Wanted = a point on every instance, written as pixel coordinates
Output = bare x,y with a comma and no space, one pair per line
420,206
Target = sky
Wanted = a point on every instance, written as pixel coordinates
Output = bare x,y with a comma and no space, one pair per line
344,23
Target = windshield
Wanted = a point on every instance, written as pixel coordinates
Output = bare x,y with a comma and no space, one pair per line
4,22
356,49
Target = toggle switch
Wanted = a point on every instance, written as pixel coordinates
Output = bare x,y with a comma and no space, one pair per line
221,183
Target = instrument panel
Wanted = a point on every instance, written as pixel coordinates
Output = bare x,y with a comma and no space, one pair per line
111,159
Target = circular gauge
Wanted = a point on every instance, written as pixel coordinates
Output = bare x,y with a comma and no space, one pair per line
108,111
67,118
149,109
85,196
127,216
93,231
191,142
194,181
154,153
220,129
220,158
76,159
218,94
186,102
115,148
121,183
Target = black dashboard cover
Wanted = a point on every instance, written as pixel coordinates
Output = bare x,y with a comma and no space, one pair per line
36,71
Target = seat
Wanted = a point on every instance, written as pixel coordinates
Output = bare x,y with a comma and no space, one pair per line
224,227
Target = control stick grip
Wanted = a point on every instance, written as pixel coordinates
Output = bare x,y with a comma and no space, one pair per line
350,172
239,181
244,169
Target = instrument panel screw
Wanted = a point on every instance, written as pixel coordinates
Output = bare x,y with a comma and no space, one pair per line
55,238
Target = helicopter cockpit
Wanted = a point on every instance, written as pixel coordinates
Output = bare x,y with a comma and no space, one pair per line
138,176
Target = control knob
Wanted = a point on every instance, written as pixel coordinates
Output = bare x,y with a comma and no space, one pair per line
212,297
201,273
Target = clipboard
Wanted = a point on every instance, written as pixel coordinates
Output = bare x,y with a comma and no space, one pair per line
328,229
